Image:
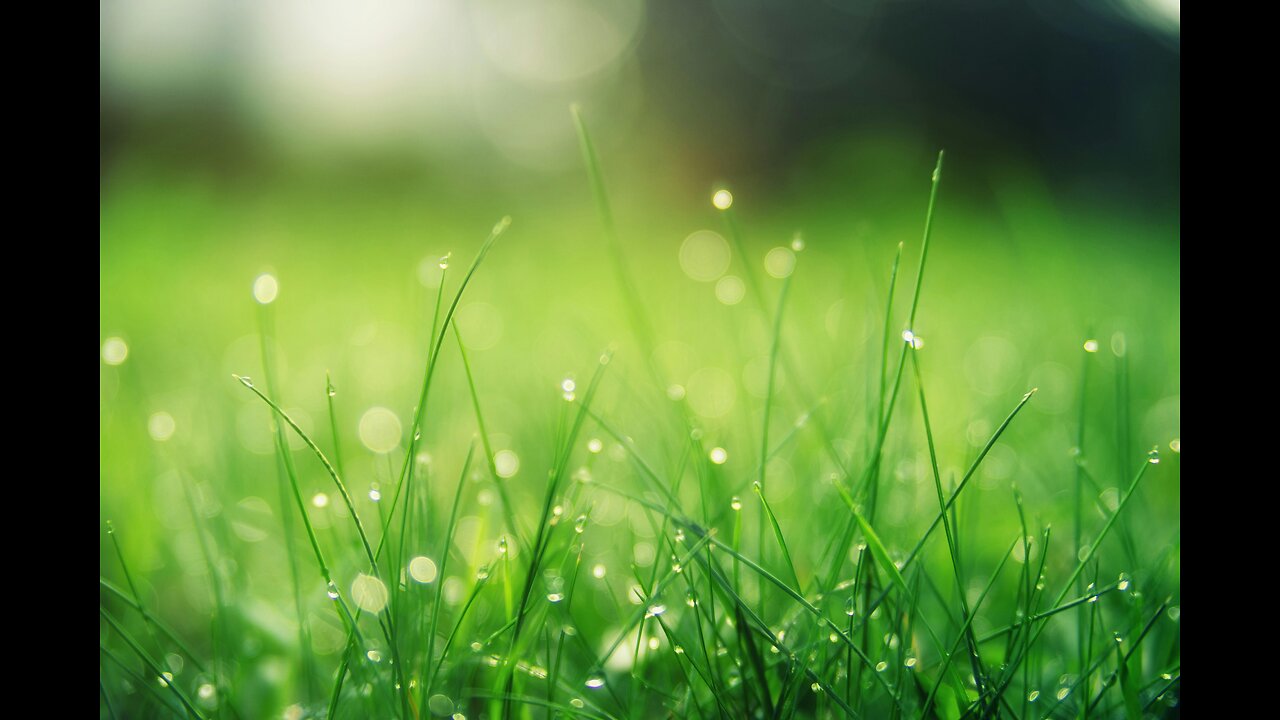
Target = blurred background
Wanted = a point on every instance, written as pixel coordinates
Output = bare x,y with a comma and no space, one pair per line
343,150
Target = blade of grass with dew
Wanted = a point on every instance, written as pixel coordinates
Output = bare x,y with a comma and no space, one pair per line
777,533
761,572
1130,693
975,658
151,664
1093,548
947,655
144,683
868,482
444,560
266,333
964,481
437,342
542,539
152,621
508,509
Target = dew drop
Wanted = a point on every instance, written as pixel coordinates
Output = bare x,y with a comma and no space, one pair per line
719,455
850,606
580,525
599,571
655,610
1063,693
1153,457
797,242
594,446
444,261
880,666
332,591
1091,345
374,656
735,503
1033,696
722,199
595,681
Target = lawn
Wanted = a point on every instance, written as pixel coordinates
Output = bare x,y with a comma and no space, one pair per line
612,450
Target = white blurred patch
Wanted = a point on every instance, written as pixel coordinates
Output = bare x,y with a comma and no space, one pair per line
556,40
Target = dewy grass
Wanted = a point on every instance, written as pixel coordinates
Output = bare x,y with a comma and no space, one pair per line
620,574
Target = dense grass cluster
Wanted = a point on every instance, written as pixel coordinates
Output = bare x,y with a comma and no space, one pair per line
831,546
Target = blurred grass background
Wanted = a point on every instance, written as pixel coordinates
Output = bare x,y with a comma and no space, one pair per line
344,151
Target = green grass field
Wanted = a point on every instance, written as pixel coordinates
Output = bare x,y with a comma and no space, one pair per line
630,457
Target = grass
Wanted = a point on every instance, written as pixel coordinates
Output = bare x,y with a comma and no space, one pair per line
616,572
